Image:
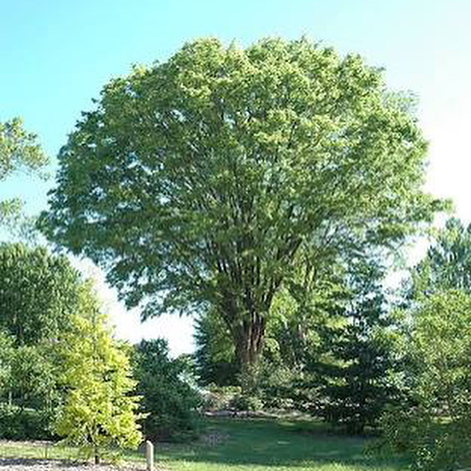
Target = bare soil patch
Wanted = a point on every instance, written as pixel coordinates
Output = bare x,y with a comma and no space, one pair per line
29,464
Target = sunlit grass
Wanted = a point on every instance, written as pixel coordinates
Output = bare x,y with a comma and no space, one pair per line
243,445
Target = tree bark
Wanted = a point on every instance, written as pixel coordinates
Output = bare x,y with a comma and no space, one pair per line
249,347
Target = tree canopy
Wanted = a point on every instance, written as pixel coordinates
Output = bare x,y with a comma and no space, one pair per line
209,179
447,263
19,151
38,294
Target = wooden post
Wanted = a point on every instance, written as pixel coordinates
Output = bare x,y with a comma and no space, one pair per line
149,456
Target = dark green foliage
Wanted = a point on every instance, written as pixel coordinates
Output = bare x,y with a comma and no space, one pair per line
170,402
6,353
246,402
38,293
435,426
31,386
215,360
292,343
219,398
357,374
17,423
282,387
33,381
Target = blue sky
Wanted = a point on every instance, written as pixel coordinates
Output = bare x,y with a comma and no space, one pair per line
56,55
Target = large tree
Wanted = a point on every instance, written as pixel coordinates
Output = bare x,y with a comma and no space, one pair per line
207,180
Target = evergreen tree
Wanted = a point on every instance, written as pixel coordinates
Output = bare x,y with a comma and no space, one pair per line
99,410
169,401
215,358
356,373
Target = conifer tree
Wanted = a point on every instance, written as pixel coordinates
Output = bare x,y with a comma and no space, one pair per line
358,374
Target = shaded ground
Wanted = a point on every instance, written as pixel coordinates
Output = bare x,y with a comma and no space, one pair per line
238,444
273,445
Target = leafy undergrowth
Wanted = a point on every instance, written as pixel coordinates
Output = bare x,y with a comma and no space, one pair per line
247,444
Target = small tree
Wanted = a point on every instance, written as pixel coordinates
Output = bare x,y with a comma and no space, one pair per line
99,411
168,400
358,368
436,431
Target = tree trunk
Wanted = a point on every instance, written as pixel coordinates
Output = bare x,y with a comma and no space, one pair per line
249,347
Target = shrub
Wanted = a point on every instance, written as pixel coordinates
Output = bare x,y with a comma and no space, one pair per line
436,431
246,402
17,423
170,402
284,387
219,398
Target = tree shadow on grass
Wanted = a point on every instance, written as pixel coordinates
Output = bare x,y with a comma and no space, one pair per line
35,462
257,442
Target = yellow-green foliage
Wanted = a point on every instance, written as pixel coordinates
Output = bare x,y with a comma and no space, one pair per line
99,413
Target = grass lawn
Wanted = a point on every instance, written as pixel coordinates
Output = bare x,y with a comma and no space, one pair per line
250,444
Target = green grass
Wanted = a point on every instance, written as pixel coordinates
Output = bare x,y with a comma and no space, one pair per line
250,444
